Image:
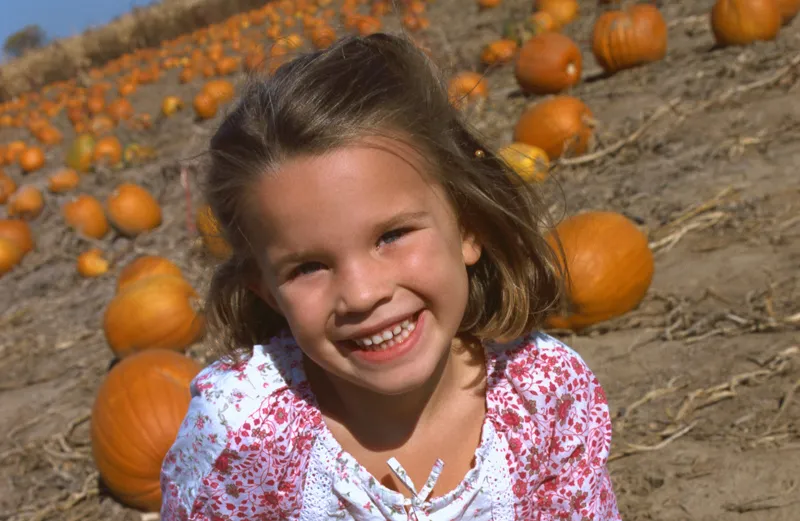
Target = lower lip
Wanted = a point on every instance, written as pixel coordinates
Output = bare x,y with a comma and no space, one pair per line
396,351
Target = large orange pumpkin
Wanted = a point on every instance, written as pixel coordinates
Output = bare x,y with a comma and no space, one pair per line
788,9
135,419
548,63
610,267
153,313
740,22
631,37
559,125
18,232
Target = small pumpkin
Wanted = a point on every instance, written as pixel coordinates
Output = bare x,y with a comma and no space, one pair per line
146,266
211,233
136,415
562,11
31,159
222,90
499,52
7,187
548,63
170,105
18,232
610,267
153,313
81,153
26,203
741,22
10,255
85,215
91,263
205,105
466,86
630,37
107,151
531,163
63,181
558,125
133,210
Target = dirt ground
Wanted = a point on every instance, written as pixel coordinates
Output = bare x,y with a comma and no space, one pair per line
702,149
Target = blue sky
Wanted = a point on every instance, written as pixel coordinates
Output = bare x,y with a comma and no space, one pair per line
60,18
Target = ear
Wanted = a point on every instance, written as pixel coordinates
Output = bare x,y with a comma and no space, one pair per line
470,248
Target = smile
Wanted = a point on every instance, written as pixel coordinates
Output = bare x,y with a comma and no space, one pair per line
389,336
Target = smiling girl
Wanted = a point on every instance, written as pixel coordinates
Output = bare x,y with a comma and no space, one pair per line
379,316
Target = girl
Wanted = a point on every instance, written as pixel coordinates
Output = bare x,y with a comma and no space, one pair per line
390,273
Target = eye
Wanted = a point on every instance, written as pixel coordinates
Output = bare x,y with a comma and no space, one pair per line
306,268
392,236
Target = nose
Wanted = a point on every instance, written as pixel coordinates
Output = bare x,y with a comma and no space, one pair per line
362,285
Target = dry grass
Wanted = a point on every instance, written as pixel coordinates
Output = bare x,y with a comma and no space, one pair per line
141,28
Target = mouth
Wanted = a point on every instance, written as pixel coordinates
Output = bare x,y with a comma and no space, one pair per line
389,337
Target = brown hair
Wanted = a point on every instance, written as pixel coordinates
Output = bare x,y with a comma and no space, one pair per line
358,87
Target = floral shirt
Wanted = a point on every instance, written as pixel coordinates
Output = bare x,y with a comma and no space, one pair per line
254,446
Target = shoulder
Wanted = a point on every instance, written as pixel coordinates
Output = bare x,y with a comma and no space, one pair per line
242,415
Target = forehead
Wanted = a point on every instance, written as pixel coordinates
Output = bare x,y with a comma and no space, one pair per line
333,194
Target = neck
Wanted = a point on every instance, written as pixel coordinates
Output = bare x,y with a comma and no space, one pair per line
384,422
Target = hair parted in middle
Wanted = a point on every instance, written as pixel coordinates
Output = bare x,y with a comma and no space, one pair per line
376,86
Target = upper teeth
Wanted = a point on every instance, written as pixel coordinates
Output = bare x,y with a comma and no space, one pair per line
400,331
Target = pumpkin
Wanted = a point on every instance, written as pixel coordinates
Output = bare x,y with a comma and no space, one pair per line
27,203
85,215
81,153
91,263
211,233
625,39
63,181
740,22
562,11
7,187
146,266
788,9
18,232
609,264
135,419
107,151
205,105
120,109
221,90
132,210
10,255
559,125
548,63
31,159
170,105
466,86
531,163
499,52
153,313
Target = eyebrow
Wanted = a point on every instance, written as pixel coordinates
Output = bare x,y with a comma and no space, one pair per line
400,219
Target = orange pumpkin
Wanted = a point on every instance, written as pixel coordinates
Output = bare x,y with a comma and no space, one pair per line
85,215
499,52
562,11
146,266
170,105
91,263
136,415
740,22
27,203
107,151
625,39
133,210
31,159
18,232
7,187
63,181
205,105
610,267
548,63
466,86
210,231
559,125
153,313
221,90
10,255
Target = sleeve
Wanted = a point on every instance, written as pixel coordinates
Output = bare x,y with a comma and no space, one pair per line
576,484
201,441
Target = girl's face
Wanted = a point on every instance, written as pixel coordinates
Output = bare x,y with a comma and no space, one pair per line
362,253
